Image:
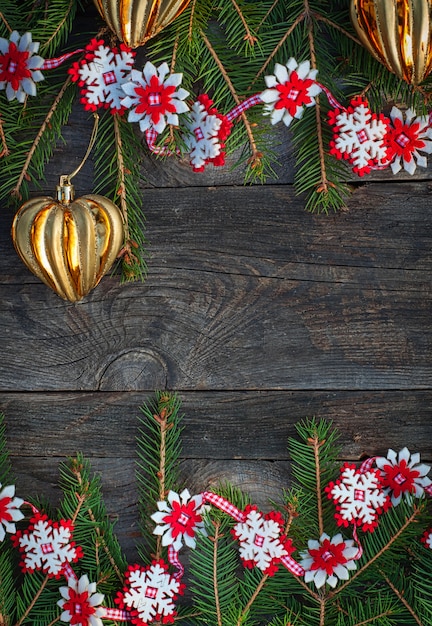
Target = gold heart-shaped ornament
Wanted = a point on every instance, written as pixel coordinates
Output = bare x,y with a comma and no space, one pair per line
68,243
397,33
136,21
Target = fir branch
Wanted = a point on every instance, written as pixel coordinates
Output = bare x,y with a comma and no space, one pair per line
191,18
251,39
401,598
215,540
316,444
4,151
5,22
121,187
60,25
373,619
33,602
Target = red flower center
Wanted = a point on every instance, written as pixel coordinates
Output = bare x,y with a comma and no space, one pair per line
402,140
13,66
293,93
328,556
182,519
155,99
400,478
5,515
79,607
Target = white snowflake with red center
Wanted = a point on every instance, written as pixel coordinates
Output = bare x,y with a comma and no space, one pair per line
403,475
359,497
406,137
19,66
9,510
329,560
149,594
359,136
101,75
153,98
81,603
46,546
179,518
202,139
261,538
292,88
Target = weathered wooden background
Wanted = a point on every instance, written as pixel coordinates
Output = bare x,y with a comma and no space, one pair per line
256,312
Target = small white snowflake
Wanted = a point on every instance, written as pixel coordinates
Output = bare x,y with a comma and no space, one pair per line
149,593
81,603
9,510
359,136
102,74
19,66
202,141
359,497
403,475
329,560
406,137
47,546
179,519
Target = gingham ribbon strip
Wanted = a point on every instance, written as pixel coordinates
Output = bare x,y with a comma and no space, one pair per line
224,505
292,565
68,572
116,614
174,560
243,106
151,136
428,490
360,548
51,64
367,464
330,97
32,506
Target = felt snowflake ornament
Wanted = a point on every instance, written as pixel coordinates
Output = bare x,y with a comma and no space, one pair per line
101,74
153,98
179,519
261,538
19,66
329,560
149,594
47,546
359,136
207,132
9,510
359,497
405,138
402,474
81,603
290,90
427,538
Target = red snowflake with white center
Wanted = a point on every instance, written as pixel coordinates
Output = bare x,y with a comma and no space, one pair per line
359,497
101,75
262,540
179,519
292,88
149,594
207,132
81,603
153,98
9,510
19,66
359,136
402,474
329,560
47,546
406,137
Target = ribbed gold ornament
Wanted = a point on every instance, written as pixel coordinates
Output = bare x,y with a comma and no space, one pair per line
69,244
136,21
397,33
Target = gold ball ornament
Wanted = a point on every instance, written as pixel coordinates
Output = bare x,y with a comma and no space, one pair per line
136,21
68,243
397,33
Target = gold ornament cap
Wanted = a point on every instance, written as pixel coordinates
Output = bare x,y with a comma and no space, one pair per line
65,191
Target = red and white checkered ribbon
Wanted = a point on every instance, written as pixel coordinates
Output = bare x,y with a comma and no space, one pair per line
428,490
51,64
224,505
68,572
330,97
174,560
32,506
292,565
367,464
360,548
116,614
151,136
243,106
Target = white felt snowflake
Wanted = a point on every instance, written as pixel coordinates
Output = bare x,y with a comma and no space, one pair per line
407,136
19,66
153,98
46,545
101,75
427,538
202,141
403,475
359,136
9,510
149,593
179,519
359,497
329,560
81,603
262,543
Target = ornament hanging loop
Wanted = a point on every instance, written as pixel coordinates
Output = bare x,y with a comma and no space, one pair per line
65,190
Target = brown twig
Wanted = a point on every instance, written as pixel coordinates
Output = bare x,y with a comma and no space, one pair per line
193,5
267,14
321,18
5,22
215,583
401,598
162,420
248,37
121,189
174,55
322,612
33,602
71,3
374,618
5,150
316,444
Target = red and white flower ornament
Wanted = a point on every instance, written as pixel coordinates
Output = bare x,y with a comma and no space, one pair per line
154,97
19,66
9,510
407,136
81,603
359,497
291,88
403,475
329,560
426,538
179,518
